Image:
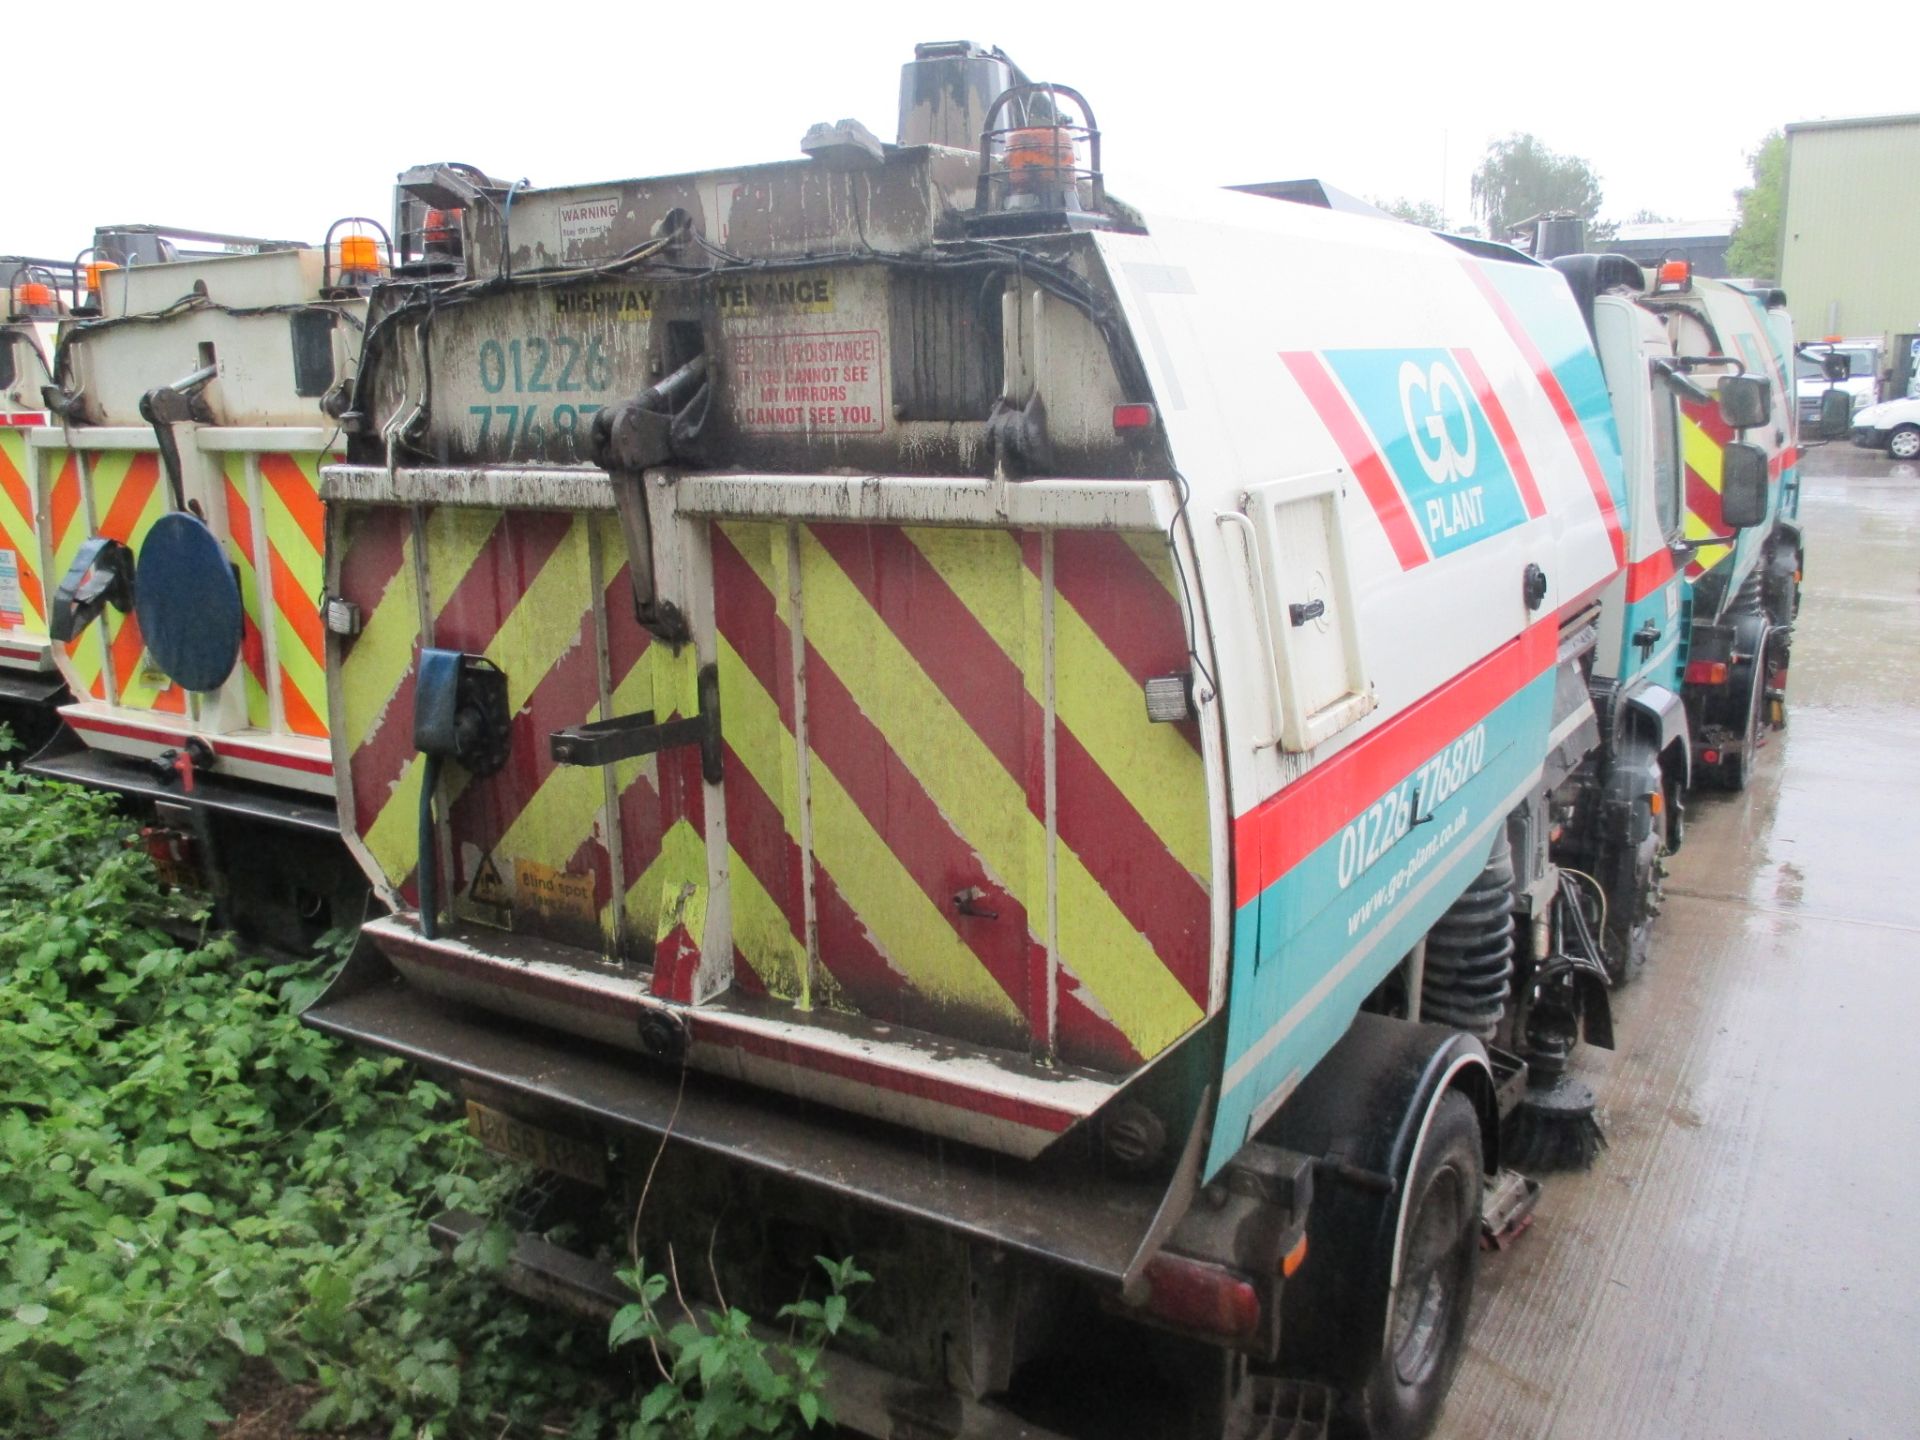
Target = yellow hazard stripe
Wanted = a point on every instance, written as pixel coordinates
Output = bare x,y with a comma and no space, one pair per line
142,684
1152,766
906,926
85,655
378,658
17,527
301,556
259,713
762,934
1705,458
1115,962
558,817
454,538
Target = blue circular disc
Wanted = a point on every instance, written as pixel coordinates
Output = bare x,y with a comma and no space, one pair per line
188,602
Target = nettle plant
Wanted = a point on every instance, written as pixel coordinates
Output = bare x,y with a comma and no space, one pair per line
196,1190
722,1379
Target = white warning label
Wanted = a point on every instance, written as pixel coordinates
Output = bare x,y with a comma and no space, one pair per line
10,611
821,383
587,218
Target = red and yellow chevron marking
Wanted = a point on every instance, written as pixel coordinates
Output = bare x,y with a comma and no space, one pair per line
69,526
295,522
1703,440
17,513
241,549
379,573
921,673
128,496
925,683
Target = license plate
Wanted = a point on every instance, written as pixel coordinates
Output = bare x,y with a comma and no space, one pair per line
517,1140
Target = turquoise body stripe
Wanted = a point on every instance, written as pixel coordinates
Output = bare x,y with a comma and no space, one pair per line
1664,662
1291,945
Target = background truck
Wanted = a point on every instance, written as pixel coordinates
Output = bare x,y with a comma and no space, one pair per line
1626,805
1000,729
178,528
35,294
1743,583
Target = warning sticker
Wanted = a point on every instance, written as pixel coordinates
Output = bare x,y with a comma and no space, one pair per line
488,899
562,901
826,383
587,218
10,611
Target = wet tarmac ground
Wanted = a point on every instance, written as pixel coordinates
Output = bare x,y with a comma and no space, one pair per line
1744,1259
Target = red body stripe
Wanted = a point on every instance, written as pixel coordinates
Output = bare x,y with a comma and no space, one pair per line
1648,575
1284,829
156,735
1503,432
1562,407
1376,482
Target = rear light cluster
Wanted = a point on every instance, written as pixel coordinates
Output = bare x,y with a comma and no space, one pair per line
1204,1298
1706,672
1194,1295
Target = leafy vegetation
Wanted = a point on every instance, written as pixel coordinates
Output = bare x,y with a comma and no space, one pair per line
721,1379
1755,250
199,1193
195,1189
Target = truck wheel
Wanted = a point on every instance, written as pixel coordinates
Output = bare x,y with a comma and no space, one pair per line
1737,768
1426,1329
1904,443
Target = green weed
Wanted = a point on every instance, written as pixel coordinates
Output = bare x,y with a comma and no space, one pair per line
194,1187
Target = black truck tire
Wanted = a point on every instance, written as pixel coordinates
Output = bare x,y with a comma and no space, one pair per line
1426,1329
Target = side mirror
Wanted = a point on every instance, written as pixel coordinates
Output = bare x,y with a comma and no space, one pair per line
1836,414
1743,486
1745,401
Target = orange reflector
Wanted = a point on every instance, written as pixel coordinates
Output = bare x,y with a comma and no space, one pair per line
1132,417
359,252
1657,802
1193,1295
1706,672
95,271
1296,1257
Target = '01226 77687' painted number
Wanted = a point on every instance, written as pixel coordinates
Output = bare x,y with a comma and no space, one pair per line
539,366
1379,827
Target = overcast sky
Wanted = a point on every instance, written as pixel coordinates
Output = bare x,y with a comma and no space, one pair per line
273,119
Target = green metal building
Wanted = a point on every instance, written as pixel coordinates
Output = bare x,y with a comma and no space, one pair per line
1850,229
